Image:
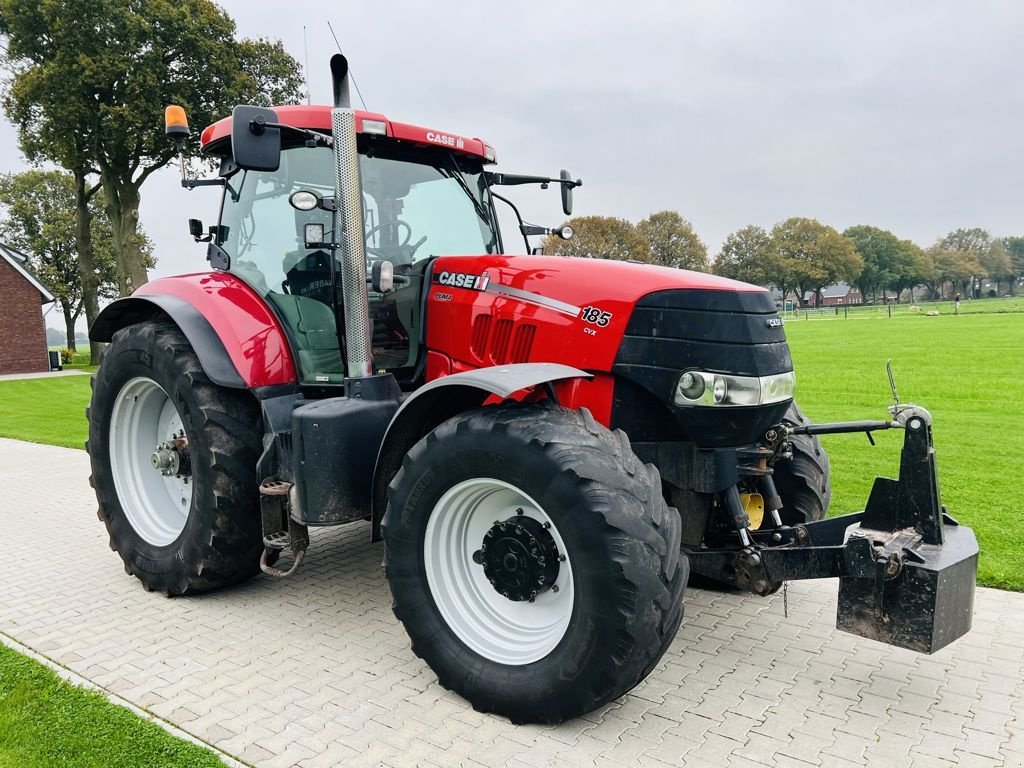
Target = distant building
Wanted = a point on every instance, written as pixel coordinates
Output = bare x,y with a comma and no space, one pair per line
22,331
835,295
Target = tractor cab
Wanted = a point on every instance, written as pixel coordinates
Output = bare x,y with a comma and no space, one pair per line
420,199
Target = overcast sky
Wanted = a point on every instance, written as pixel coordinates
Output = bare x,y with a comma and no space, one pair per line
905,115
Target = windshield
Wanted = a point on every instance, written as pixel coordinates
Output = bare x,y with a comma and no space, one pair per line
416,204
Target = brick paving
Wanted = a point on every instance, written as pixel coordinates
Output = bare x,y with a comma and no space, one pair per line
315,671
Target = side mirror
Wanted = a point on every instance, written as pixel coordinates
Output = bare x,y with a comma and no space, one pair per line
255,145
195,228
566,192
382,277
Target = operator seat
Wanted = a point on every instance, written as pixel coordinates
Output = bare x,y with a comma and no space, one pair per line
316,336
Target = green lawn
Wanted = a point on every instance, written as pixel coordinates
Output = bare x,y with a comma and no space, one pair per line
45,410
969,372
45,721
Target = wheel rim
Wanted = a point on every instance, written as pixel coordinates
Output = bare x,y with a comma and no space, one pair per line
143,417
499,629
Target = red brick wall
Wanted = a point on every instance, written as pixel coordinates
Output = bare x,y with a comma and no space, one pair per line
22,333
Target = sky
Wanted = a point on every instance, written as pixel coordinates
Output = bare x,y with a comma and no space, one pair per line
908,116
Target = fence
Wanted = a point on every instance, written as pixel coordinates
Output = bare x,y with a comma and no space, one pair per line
1004,305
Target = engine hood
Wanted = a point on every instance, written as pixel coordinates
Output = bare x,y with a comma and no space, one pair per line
493,310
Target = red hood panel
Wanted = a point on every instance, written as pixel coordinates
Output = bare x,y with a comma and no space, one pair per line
494,310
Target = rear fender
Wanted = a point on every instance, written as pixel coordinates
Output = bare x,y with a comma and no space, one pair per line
444,398
238,340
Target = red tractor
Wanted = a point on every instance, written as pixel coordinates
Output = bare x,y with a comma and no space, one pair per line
547,446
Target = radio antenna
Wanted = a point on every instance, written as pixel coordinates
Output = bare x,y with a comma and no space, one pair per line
305,47
351,76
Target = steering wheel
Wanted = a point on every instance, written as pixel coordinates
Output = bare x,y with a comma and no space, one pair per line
405,251
395,223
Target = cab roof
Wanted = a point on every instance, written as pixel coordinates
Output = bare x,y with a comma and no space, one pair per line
318,118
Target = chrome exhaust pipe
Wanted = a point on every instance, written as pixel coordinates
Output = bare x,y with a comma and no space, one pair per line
348,194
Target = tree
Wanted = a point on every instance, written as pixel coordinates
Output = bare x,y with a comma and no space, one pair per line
881,251
600,237
1015,247
744,256
947,265
969,247
99,74
813,255
997,263
908,269
41,220
673,242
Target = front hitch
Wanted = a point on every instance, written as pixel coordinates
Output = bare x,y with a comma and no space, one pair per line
906,569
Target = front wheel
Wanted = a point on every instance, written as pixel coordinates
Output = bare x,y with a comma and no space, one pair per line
533,561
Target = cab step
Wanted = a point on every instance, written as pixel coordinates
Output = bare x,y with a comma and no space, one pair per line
280,530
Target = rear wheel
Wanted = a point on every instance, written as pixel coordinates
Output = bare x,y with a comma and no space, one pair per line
174,463
533,561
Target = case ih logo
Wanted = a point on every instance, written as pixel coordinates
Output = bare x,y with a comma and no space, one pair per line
462,280
445,140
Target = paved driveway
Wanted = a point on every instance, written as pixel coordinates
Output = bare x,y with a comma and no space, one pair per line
315,671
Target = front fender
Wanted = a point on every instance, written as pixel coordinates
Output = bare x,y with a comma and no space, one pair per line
443,398
238,340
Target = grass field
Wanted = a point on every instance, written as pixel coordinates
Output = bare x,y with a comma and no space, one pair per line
969,372
45,721
45,410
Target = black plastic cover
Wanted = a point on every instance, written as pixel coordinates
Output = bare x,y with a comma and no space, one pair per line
335,447
736,332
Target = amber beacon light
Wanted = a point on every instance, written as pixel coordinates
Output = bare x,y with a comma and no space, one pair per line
176,122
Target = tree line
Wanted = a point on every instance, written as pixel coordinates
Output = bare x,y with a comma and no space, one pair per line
801,256
85,85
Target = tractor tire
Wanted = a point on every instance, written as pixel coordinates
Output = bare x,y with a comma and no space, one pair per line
803,482
469,501
196,530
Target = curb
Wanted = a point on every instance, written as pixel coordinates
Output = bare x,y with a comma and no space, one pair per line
76,679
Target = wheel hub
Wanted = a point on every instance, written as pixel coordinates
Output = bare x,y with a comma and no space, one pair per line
520,558
171,458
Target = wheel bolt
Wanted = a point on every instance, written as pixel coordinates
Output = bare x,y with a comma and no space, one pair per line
547,525
519,510
561,558
478,557
554,588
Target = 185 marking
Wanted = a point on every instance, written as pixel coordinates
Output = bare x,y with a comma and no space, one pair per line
595,316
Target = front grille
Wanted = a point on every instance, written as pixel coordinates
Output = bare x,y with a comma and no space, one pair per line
735,332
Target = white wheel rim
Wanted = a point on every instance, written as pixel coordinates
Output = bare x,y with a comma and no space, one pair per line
143,417
499,629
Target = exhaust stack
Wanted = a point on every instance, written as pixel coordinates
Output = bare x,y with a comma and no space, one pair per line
349,196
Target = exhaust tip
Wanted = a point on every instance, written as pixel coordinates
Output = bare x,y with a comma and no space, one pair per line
339,78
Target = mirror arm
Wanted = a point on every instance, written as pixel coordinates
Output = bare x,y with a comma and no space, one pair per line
512,205
513,179
313,138
193,183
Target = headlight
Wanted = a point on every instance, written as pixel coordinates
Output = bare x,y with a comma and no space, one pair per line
702,388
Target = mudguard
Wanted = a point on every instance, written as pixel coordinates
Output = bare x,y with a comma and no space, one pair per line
443,398
238,340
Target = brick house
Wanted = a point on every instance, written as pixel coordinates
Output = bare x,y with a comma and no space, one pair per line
22,329
836,295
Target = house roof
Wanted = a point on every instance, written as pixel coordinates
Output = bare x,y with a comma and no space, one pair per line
837,291
19,261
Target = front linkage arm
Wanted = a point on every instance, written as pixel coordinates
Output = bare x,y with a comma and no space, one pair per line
907,570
